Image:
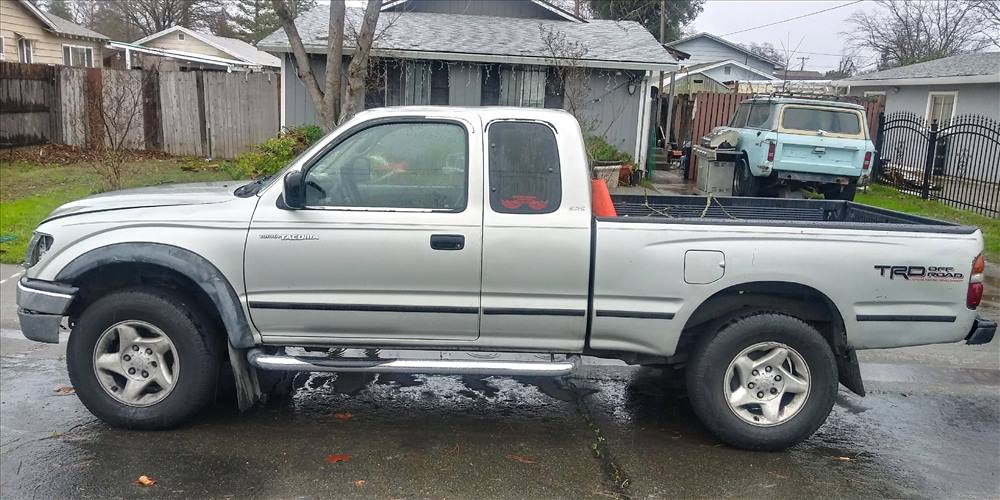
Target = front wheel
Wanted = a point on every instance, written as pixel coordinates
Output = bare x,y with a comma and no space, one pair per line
143,359
763,382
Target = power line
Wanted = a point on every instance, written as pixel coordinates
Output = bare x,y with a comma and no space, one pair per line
795,18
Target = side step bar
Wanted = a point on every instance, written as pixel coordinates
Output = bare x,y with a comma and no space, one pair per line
259,359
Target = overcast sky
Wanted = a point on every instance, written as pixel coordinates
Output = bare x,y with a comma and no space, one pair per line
820,34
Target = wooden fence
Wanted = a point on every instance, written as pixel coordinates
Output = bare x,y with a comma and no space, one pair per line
696,115
211,114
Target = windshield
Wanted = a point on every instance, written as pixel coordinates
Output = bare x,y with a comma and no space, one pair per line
811,119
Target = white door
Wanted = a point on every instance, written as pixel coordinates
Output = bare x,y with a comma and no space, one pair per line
389,246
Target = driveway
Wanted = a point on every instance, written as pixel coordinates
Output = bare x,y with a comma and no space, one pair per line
930,426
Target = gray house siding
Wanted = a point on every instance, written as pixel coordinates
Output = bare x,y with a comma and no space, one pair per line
973,98
499,8
608,109
704,50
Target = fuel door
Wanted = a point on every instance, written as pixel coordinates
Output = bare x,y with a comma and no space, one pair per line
703,266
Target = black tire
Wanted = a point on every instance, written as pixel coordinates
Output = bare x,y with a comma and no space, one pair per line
710,360
198,347
744,182
840,192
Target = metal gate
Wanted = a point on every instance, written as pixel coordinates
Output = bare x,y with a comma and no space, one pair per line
956,162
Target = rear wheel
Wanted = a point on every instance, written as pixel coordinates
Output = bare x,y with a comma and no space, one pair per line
764,382
744,182
143,359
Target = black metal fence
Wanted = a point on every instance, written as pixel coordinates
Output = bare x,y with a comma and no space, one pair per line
956,162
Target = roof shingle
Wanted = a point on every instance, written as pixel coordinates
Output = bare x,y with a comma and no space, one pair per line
606,42
984,63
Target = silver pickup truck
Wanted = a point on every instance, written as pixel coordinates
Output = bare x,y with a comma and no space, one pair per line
471,229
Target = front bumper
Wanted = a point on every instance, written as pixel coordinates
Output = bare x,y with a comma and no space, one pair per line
41,306
982,332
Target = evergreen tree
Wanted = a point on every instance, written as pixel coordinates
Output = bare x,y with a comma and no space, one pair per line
252,20
59,8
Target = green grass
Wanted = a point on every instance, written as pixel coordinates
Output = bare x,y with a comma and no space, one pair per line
887,197
29,191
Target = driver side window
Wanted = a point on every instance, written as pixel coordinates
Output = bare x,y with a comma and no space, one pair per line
395,165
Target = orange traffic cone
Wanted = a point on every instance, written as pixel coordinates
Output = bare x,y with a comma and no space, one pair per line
603,207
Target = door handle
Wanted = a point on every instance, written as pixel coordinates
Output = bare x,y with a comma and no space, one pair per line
447,241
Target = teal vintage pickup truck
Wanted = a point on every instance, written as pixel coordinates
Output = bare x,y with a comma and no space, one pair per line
780,145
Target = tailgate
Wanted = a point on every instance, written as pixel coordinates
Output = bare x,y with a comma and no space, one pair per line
819,155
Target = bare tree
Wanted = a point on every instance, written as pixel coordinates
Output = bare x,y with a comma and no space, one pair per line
847,66
564,56
989,14
328,98
909,32
116,127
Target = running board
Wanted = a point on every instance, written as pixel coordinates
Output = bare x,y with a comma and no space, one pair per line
259,359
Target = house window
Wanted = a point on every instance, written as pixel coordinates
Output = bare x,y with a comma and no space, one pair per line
554,88
180,36
439,83
491,85
1,48
394,83
24,50
941,106
524,86
727,70
75,55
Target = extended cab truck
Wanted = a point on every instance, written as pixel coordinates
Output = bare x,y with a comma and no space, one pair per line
454,229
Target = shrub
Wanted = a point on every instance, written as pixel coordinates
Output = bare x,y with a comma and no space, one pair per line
273,154
599,150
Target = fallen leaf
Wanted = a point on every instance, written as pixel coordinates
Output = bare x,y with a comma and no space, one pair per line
519,458
145,481
343,416
360,483
842,459
338,458
64,390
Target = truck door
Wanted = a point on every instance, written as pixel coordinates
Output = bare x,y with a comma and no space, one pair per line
536,238
389,244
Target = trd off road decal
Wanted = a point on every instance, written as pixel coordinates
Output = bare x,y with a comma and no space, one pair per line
920,273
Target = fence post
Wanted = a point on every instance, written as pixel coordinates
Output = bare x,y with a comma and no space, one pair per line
879,138
929,163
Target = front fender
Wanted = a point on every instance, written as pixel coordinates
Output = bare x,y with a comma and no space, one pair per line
195,267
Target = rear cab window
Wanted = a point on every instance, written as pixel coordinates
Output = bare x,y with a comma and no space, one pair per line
524,168
816,120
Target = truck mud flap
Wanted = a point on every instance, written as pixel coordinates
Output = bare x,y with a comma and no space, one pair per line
850,372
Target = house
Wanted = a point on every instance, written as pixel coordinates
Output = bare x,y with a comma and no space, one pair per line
29,35
482,52
707,48
180,48
938,89
718,76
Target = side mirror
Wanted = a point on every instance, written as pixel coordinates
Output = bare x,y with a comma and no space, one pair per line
294,191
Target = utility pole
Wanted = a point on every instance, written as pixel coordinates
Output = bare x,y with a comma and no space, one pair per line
802,66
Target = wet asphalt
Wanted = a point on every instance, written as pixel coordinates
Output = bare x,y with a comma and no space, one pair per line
929,427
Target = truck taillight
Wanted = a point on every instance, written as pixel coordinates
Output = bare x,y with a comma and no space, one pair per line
975,293
770,151
868,161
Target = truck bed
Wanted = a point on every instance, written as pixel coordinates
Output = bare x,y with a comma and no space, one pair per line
771,212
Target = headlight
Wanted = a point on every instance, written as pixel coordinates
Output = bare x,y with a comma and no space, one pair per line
39,244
